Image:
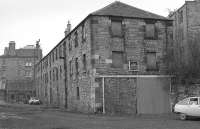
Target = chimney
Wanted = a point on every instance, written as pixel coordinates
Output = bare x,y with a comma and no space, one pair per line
68,29
38,44
11,48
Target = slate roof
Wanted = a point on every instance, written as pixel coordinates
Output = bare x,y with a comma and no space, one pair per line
121,9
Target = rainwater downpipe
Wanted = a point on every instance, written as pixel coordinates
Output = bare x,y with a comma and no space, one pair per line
103,86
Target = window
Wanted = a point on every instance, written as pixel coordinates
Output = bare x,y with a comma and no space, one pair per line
84,62
77,93
116,28
180,17
61,55
52,56
28,73
50,75
56,54
50,60
117,59
60,71
184,102
83,33
151,61
193,101
76,66
70,45
56,69
46,77
76,39
53,75
133,65
70,68
150,31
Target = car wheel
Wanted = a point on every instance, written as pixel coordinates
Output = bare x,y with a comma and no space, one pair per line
183,116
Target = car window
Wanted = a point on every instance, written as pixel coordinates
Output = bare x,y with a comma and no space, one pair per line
193,101
184,102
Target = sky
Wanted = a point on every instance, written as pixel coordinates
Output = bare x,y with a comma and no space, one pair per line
26,21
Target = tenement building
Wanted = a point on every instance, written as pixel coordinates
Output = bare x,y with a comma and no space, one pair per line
186,35
17,72
113,61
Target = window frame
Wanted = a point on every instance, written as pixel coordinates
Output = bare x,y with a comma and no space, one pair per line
129,65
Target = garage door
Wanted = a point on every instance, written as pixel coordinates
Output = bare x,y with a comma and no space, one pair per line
153,95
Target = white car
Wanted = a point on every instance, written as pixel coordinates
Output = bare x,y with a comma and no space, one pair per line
188,107
34,100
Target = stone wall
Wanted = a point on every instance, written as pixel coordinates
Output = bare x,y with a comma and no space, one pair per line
120,95
133,44
80,81
50,77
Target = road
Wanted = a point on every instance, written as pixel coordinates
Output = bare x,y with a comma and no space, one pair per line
37,117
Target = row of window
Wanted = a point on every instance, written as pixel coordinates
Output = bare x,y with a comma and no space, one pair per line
58,53
117,29
76,38
53,75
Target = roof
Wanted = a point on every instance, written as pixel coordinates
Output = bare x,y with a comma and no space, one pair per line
121,9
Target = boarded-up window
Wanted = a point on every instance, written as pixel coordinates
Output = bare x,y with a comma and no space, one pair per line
151,61
150,32
117,59
116,28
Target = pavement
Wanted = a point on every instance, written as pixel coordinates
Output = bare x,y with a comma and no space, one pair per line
23,116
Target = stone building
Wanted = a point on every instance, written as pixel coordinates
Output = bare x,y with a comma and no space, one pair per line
50,77
16,71
185,26
113,61
186,29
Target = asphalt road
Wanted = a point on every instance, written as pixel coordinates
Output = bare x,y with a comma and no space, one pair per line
37,117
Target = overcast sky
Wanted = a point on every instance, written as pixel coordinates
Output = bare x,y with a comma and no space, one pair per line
25,21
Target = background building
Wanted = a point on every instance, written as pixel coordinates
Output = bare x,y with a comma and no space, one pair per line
17,71
185,49
114,61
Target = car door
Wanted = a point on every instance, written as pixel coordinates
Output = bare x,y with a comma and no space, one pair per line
194,106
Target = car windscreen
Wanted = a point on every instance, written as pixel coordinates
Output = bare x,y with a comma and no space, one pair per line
184,102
